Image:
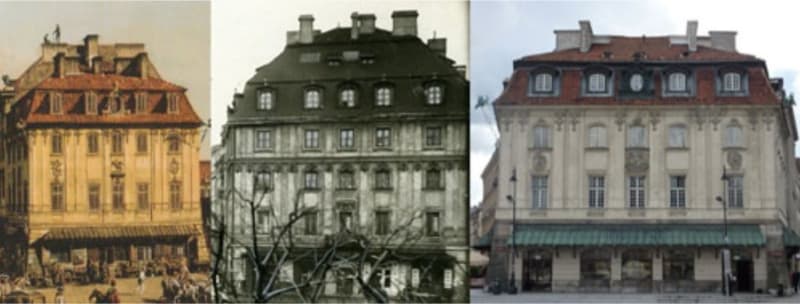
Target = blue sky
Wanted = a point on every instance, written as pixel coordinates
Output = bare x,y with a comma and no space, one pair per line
503,31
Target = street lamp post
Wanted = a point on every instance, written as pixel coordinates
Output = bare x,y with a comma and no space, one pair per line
512,287
726,254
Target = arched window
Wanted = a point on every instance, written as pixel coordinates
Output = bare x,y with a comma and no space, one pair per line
731,82
347,97
266,99
543,83
677,136
733,136
677,82
637,137
434,94
312,99
597,136
597,83
383,96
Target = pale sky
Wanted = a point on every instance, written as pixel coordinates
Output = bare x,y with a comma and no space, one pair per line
176,36
249,34
504,31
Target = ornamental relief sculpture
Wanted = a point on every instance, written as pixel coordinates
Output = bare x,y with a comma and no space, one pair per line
539,162
734,159
637,160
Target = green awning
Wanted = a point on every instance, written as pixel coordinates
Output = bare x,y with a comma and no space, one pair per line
637,235
790,238
485,242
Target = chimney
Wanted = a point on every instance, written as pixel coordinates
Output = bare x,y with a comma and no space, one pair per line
141,62
354,26
59,65
404,23
567,39
366,24
723,40
586,35
306,29
90,48
97,64
691,35
438,46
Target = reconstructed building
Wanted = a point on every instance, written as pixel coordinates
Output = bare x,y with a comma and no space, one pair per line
620,152
99,162
368,128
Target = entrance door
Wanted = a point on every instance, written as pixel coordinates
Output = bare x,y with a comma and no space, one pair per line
743,270
537,272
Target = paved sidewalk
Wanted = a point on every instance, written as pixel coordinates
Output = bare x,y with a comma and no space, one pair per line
479,296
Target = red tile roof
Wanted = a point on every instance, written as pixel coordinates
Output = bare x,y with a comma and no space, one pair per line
622,49
34,109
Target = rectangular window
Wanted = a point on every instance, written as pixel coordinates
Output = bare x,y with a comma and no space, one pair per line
433,136
541,137
91,103
55,103
636,191
677,191
312,99
735,191
57,144
175,195
92,142
118,195
346,138
57,196
116,143
383,137
383,180
383,97
172,103
345,221
597,137
382,222
143,196
432,224
174,141
433,179
310,220
312,180
677,137
346,180
311,139
141,143
141,102
433,95
539,191
263,181
263,140
94,197
597,191
637,137
262,220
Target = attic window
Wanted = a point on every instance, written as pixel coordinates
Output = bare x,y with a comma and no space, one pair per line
367,58
309,57
433,94
312,98
266,98
172,103
350,55
56,103
732,82
141,102
334,60
91,102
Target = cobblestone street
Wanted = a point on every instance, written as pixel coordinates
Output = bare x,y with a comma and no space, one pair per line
479,296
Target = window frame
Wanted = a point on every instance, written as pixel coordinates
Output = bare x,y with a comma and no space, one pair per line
633,142
347,139
353,97
262,143
92,105
311,180
433,179
383,227
175,195
735,139
56,103
172,103
597,189
263,104
434,136
142,196
174,142
117,143
310,103
311,139
384,98
541,137
383,141
597,136
383,179
677,191
636,191
57,195
734,191
93,193
669,87
436,99
140,100
684,138
92,143
57,143
541,71
118,195
433,224
142,145
539,191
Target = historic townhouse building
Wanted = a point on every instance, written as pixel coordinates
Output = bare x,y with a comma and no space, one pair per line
368,127
99,162
620,152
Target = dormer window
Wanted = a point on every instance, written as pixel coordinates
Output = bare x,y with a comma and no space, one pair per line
141,102
91,102
266,98
677,82
56,103
347,97
172,103
383,96
543,81
597,83
433,94
732,82
312,99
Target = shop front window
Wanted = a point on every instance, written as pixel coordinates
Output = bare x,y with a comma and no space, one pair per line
596,268
637,265
678,265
